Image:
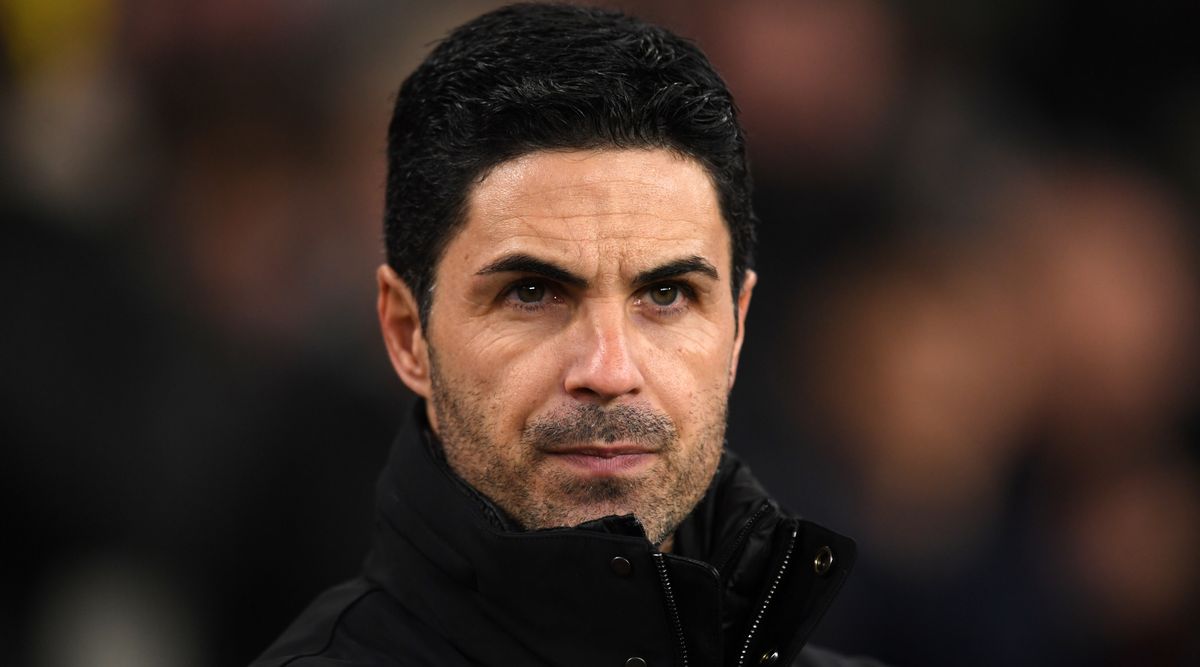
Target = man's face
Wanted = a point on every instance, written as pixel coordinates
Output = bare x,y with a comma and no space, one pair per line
583,338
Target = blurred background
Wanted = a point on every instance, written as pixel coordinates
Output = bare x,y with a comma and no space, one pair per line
972,347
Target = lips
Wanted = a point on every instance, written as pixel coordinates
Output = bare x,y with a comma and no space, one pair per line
606,451
603,460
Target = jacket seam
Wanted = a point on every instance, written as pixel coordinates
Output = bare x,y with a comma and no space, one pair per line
332,629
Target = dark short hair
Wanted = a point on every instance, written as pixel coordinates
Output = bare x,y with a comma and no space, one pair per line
532,77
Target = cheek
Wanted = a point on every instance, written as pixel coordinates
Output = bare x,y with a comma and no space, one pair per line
512,371
686,369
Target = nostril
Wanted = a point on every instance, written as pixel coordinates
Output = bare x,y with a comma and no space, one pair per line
584,394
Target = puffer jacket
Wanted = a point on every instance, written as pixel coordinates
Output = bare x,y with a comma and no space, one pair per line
451,582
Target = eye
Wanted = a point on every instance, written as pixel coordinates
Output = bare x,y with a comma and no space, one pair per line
667,299
664,295
530,292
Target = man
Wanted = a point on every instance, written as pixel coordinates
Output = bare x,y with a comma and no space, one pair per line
569,234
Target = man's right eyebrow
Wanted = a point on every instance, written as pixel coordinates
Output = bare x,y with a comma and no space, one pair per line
522,263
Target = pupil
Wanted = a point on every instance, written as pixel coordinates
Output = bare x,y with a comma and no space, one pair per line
665,295
530,293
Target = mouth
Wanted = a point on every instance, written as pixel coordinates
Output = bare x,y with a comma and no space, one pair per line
603,460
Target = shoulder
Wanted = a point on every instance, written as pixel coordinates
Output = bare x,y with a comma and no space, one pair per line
313,630
812,656
357,623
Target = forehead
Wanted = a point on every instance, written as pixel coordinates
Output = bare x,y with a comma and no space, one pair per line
618,202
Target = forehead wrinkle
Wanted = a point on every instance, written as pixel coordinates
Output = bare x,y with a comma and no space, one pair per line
618,221
632,224
517,189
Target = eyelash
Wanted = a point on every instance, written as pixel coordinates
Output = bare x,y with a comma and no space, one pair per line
511,297
687,295
685,298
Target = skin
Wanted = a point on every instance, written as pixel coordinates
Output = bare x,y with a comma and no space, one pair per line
583,338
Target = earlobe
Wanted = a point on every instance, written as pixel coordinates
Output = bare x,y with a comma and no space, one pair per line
743,306
400,323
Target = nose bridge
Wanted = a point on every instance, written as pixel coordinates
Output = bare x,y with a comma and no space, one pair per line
605,366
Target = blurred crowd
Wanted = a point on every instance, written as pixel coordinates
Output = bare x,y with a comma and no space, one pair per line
971,347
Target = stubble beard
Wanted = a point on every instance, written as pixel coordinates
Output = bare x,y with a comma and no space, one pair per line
538,494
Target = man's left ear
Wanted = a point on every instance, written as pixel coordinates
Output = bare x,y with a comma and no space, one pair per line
743,305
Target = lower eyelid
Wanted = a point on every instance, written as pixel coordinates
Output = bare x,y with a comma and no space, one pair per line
680,305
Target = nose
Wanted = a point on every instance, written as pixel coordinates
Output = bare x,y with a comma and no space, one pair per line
603,367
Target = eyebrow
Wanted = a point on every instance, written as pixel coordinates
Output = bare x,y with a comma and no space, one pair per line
679,267
522,263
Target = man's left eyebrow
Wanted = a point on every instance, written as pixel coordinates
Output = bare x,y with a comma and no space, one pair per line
679,267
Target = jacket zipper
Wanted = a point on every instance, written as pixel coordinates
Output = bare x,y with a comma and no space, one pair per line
672,610
743,535
762,611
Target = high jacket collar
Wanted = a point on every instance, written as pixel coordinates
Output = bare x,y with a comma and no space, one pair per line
746,579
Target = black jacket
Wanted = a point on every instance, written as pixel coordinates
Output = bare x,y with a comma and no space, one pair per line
450,582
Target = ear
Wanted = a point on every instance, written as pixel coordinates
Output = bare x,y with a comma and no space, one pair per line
400,322
743,305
